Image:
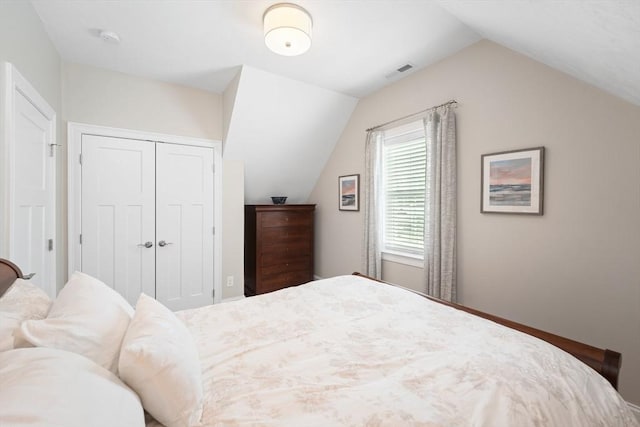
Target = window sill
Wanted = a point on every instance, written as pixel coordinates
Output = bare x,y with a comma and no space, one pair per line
414,261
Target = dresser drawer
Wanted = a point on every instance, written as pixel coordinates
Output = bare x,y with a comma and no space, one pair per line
274,255
275,235
285,218
298,264
279,281
288,247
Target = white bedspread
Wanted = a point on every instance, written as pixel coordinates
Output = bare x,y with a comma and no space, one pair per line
351,352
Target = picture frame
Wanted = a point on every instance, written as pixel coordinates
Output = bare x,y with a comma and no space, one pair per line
349,192
512,182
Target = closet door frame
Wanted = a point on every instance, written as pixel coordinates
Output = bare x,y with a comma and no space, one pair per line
75,131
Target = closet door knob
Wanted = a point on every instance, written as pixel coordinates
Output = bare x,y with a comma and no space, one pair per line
146,244
162,243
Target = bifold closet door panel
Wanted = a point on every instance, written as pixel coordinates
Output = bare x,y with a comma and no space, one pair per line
118,214
184,225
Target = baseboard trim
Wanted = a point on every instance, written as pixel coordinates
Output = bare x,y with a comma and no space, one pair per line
635,409
238,298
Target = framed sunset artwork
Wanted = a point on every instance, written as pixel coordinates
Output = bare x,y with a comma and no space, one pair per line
512,182
349,192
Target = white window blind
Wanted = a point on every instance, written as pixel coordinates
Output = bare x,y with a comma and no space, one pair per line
403,182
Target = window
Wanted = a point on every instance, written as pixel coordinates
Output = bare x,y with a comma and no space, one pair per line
403,190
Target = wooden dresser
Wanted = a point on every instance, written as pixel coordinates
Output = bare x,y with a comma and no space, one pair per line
278,247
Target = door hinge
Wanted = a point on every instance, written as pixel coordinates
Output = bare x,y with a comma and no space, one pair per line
81,239
51,148
213,229
80,158
213,293
50,244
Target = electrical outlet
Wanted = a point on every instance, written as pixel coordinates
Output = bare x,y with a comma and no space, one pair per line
229,281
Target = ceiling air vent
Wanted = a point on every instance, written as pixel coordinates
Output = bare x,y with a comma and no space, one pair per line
397,72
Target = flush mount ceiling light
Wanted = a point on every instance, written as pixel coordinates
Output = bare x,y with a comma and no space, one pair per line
287,29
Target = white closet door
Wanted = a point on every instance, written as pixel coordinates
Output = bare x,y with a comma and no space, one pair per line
33,216
184,227
118,213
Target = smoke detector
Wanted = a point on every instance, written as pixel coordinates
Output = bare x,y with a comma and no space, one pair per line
109,37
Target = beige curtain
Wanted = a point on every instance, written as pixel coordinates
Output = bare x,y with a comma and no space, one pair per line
371,254
440,204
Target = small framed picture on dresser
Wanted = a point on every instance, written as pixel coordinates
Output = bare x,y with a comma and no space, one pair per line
349,192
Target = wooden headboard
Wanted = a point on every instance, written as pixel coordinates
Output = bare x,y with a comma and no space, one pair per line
605,362
9,272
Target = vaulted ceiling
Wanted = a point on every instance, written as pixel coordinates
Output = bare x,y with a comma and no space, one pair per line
199,43
283,115
356,43
597,41
283,131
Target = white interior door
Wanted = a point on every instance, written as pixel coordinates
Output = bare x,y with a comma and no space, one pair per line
27,179
184,227
32,205
118,213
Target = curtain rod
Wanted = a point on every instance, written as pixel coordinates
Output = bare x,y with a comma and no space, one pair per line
453,101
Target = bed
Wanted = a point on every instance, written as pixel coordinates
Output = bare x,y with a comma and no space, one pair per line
351,351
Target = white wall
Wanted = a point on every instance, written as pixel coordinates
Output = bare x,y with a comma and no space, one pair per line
574,271
284,131
233,229
101,97
228,102
232,205
24,43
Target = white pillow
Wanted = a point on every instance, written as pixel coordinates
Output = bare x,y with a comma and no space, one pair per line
88,318
22,301
49,387
160,362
